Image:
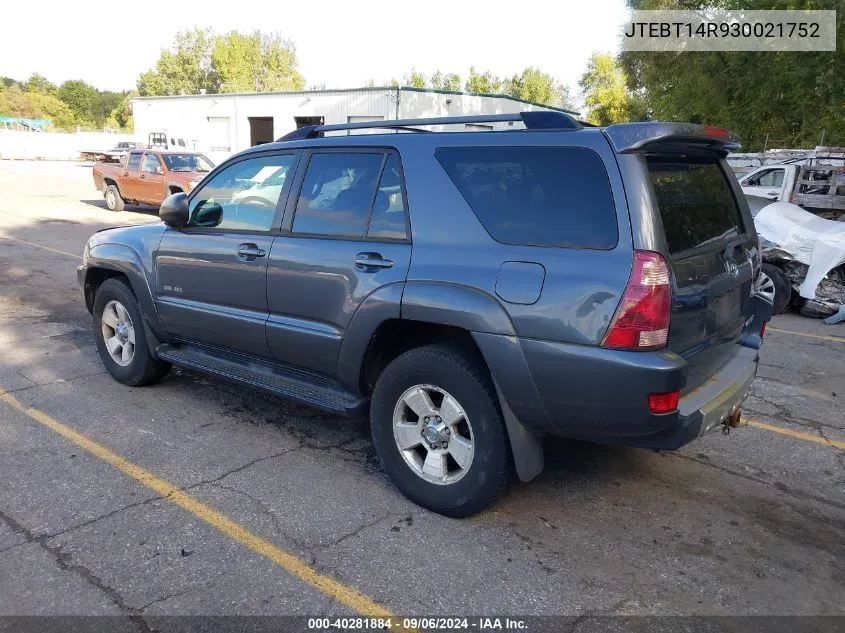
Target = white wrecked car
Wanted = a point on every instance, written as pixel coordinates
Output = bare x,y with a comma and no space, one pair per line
803,254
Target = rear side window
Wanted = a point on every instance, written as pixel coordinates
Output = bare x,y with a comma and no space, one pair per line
536,196
337,194
134,161
695,201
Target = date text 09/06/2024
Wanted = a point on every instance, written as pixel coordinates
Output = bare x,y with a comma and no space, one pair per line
417,623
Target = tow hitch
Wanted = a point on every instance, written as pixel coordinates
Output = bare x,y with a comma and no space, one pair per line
732,421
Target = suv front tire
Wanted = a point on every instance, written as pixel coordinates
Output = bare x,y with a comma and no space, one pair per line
438,430
120,337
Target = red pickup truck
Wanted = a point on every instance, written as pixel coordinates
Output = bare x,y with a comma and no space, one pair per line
149,176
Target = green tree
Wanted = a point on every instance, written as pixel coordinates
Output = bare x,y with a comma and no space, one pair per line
6,82
790,96
605,90
482,83
414,79
15,102
121,116
446,81
258,62
82,99
183,69
37,83
539,87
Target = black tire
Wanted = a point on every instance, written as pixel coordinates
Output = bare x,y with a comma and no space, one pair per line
783,289
456,372
143,368
113,200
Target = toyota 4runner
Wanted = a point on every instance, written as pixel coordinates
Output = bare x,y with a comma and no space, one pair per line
470,291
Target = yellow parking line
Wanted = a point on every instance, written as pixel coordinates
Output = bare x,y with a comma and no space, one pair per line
798,435
823,337
344,594
46,248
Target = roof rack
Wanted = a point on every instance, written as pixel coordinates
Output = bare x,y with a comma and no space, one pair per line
537,120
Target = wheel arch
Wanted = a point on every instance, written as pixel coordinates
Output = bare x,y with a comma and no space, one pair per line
466,317
107,181
109,260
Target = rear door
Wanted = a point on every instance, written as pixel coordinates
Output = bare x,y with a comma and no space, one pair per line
713,255
344,236
130,177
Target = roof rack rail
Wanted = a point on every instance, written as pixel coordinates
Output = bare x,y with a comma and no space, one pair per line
537,120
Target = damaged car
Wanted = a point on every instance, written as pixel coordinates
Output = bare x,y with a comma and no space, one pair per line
803,259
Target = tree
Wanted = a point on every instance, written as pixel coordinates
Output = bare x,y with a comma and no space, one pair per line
414,79
539,87
82,99
789,96
6,82
37,83
184,69
15,102
258,62
482,83
121,116
446,81
200,61
605,90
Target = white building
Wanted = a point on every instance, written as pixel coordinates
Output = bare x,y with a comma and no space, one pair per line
222,124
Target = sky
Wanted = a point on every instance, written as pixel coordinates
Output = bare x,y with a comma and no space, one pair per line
339,44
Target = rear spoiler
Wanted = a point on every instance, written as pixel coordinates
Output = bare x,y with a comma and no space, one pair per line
637,137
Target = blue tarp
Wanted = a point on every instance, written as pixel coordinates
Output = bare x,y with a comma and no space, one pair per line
26,122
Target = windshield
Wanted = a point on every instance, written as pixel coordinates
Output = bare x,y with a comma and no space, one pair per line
187,162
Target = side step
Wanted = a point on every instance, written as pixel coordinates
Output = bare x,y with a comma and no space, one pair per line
301,386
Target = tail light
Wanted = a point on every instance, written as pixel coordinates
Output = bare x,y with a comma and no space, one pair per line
716,132
641,321
763,329
659,403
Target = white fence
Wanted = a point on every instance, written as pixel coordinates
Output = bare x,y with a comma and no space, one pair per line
15,144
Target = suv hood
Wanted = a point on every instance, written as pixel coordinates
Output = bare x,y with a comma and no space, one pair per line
127,235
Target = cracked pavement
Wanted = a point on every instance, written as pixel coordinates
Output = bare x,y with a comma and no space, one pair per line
752,523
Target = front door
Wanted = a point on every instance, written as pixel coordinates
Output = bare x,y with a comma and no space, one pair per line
345,235
765,184
151,180
211,276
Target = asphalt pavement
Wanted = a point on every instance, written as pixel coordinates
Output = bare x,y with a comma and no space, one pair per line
197,496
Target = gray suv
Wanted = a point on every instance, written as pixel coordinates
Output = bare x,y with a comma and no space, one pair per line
471,292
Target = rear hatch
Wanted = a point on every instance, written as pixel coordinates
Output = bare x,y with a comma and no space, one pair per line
712,253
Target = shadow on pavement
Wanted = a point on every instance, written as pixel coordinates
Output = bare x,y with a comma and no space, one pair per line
132,208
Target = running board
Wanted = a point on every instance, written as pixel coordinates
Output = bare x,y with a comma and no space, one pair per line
301,386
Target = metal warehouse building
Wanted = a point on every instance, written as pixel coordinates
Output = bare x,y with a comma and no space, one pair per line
222,124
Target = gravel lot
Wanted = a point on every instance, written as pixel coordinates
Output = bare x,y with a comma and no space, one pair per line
749,524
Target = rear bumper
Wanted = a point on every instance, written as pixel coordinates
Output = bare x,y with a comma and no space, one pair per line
705,408
601,395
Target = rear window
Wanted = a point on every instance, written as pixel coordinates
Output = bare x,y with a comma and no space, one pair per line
536,196
695,201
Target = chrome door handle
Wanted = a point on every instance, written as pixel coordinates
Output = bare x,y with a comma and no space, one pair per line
372,261
250,251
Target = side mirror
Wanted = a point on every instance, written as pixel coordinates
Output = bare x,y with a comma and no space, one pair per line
174,210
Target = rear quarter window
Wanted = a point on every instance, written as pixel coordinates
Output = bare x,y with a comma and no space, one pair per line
536,196
695,202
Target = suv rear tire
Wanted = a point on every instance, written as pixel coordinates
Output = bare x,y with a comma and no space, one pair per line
121,340
458,462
